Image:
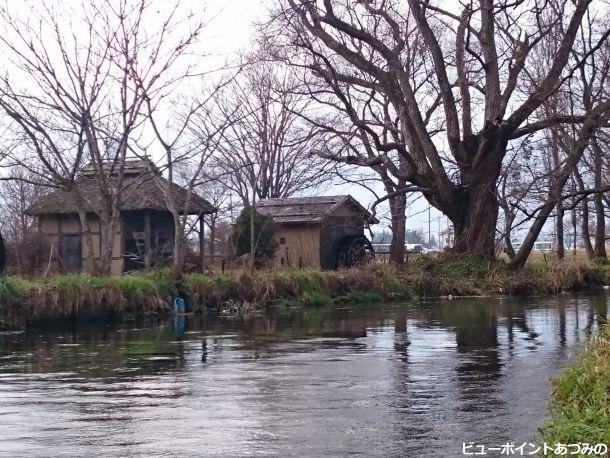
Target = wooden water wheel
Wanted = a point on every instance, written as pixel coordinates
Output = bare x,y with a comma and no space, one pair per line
354,251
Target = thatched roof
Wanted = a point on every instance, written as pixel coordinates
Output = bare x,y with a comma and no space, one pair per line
130,167
139,192
311,210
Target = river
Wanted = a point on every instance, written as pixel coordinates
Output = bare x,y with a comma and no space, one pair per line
405,379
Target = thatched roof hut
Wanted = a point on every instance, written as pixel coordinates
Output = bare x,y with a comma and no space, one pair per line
146,234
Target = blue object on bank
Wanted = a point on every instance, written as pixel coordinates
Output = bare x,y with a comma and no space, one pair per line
179,323
179,305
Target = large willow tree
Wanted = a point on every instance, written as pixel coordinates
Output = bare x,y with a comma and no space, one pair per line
437,91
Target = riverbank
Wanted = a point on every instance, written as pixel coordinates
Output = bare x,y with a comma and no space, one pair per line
67,296
24,301
580,402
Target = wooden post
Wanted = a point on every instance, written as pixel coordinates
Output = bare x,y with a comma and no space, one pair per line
147,241
202,241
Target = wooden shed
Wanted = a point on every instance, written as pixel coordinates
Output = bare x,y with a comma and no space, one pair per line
325,232
146,233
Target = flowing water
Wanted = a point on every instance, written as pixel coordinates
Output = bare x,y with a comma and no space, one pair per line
409,380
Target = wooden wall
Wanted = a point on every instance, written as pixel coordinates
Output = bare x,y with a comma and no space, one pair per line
60,228
299,246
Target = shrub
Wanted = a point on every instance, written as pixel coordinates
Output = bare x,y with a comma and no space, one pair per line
264,234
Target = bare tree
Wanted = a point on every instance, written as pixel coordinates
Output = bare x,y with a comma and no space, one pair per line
600,181
584,92
77,90
189,142
470,98
23,243
267,150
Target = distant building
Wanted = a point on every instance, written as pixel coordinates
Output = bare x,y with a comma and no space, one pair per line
145,236
381,248
324,232
414,248
542,245
447,237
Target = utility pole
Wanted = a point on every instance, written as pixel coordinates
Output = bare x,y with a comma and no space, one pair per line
438,236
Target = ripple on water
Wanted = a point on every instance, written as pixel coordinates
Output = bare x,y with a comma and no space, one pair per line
414,381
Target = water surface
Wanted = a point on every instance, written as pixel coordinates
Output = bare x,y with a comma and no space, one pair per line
410,380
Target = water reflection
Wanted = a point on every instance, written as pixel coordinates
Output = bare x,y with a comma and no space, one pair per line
417,379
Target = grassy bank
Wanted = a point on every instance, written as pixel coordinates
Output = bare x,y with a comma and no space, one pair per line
580,402
27,300
23,300
471,276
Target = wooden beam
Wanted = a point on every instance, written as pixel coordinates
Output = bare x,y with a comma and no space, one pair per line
147,241
202,241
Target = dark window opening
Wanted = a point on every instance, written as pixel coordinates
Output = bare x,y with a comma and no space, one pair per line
282,241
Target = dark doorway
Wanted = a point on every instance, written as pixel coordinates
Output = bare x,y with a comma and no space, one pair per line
70,252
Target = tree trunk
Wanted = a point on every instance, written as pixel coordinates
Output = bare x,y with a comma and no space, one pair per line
559,230
398,207
574,228
2,255
600,227
474,206
561,251
109,220
474,219
90,264
509,219
584,227
212,234
584,217
528,243
598,202
106,240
